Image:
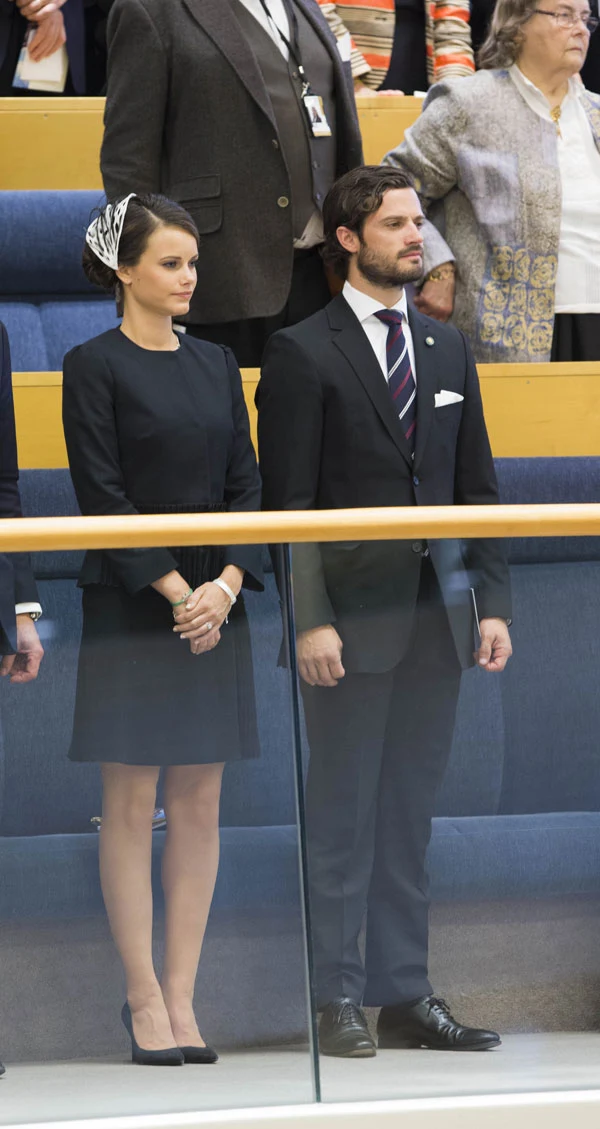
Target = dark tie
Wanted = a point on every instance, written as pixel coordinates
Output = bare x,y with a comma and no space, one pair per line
401,381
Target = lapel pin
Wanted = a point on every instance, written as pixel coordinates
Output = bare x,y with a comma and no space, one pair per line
429,341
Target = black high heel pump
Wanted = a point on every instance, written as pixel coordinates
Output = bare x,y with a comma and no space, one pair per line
171,1056
199,1055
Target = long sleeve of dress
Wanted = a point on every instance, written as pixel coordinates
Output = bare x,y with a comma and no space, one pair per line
93,450
429,154
448,24
360,66
10,501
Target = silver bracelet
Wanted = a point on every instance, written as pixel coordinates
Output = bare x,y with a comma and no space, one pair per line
227,590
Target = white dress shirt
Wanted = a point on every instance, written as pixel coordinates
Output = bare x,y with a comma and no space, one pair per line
376,331
279,17
578,276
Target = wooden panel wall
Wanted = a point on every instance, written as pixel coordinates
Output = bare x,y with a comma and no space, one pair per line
55,143
530,410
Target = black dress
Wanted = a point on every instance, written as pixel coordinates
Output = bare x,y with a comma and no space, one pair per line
159,432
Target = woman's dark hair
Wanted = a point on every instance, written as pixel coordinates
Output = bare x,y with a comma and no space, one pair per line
352,199
144,215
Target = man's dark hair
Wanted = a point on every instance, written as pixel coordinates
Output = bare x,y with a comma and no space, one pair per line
352,199
144,215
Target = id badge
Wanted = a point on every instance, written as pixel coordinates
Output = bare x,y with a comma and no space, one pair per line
317,119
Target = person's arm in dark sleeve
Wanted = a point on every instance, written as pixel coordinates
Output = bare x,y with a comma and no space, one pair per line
242,486
476,485
10,501
290,425
137,90
92,446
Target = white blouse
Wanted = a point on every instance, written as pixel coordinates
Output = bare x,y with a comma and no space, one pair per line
578,276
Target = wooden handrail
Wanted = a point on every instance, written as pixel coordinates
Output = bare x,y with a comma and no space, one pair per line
401,523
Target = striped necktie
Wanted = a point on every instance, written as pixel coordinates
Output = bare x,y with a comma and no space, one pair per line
401,381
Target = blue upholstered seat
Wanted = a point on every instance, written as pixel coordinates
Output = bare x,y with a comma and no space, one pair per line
46,302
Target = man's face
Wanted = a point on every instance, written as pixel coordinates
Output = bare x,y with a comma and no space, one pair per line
390,251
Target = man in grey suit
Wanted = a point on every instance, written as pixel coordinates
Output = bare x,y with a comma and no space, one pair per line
210,102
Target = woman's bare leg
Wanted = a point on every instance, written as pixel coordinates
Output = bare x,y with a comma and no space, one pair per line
128,803
190,863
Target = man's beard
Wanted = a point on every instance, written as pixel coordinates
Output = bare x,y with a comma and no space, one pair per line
385,273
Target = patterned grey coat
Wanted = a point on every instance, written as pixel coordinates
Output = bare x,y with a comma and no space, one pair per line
486,166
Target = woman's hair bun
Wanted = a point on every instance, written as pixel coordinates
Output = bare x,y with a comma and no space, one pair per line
97,272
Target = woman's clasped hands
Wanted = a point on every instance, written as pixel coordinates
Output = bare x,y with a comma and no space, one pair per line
200,619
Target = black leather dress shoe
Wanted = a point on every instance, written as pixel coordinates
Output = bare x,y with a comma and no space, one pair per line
343,1031
2,1069
428,1023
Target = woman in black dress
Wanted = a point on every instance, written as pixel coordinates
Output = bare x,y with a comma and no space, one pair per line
156,423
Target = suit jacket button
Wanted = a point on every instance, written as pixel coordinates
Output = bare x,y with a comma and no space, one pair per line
283,202
416,480
275,143
417,547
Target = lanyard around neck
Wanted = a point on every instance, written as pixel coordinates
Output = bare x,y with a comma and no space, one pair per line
293,47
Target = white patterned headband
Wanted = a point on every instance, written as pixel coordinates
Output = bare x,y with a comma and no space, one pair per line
104,234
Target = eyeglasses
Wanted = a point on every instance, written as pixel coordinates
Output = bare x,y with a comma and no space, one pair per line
567,19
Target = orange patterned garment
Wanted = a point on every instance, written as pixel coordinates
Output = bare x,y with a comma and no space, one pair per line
371,25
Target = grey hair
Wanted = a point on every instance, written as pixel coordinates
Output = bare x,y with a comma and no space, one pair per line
505,37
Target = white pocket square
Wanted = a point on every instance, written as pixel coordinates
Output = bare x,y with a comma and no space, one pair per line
442,398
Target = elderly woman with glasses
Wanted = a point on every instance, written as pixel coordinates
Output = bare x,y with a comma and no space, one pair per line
508,166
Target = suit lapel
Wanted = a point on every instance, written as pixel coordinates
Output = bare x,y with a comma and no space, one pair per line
218,20
351,339
426,365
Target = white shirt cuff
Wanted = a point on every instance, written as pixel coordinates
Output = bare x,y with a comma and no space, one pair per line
25,609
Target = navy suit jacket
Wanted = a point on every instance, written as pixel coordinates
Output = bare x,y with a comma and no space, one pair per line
73,13
16,579
330,438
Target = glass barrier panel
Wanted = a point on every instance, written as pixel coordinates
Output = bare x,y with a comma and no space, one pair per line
114,754
452,813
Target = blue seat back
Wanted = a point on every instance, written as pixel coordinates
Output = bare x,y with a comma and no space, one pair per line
46,302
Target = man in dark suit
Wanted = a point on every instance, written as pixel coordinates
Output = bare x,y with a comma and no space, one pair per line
369,403
206,104
20,648
19,606
58,22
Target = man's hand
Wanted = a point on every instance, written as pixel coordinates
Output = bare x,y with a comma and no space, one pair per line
24,666
319,654
495,648
38,10
361,90
436,298
48,37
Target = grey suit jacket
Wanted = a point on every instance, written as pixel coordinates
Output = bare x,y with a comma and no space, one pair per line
188,115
